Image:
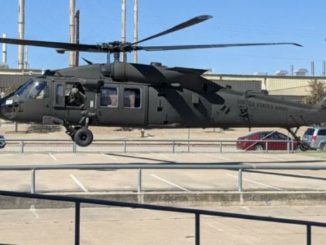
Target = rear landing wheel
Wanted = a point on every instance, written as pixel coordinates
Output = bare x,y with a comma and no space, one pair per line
259,147
83,137
323,147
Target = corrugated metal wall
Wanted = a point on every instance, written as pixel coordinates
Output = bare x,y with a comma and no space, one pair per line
12,80
275,85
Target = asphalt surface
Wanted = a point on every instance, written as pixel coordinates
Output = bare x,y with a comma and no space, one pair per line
161,180
36,225
127,226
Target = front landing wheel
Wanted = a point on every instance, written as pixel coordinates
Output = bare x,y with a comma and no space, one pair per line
83,137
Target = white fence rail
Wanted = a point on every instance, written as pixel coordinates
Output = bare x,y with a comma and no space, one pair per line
240,168
140,146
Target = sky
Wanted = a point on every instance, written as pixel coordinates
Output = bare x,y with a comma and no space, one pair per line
234,21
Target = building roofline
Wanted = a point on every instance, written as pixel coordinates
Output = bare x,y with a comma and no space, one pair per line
4,71
263,76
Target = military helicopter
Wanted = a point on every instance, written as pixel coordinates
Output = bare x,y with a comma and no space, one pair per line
146,96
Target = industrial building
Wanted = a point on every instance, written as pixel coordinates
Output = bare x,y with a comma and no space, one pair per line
294,88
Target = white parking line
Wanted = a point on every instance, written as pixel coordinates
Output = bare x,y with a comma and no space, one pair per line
113,158
246,208
33,210
214,226
256,182
53,157
274,158
170,183
78,183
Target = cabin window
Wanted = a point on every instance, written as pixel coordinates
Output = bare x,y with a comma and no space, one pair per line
131,98
109,97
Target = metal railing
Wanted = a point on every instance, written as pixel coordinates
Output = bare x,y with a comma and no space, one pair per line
196,212
140,167
147,145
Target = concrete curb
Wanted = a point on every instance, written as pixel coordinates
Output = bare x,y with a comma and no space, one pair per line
178,199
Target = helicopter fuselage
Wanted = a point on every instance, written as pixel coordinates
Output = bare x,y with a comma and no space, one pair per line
98,96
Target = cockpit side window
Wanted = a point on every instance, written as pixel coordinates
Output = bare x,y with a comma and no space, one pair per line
33,89
39,90
59,95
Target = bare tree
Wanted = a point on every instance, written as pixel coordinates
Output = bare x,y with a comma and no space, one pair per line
317,92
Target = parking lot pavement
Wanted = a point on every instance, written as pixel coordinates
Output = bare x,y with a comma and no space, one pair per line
133,226
160,180
64,158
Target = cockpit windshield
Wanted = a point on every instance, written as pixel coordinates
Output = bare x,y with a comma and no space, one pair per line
24,87
33,89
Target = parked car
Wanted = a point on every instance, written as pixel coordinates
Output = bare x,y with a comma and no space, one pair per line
315,138
2,142
266,140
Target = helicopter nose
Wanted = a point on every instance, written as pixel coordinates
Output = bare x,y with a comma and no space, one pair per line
7,109
2,101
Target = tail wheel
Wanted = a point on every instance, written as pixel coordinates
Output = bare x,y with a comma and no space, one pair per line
259,147
83,137
323,147
304,146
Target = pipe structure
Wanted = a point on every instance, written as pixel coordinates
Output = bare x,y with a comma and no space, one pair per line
135,29
4,51
77,21
72,28
123,27
312,69
21,32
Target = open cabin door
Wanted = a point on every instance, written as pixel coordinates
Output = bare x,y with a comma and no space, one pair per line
68,100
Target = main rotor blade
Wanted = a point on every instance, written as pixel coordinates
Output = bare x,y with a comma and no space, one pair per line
204,46
193,21
57,45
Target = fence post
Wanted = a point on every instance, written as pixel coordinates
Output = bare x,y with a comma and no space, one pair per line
173,146
240,187
125,146
308,234
221,146
74,147
139,181
77,223
33,183
22,146
197,229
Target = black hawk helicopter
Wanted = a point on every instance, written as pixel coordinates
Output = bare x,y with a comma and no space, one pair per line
138,95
